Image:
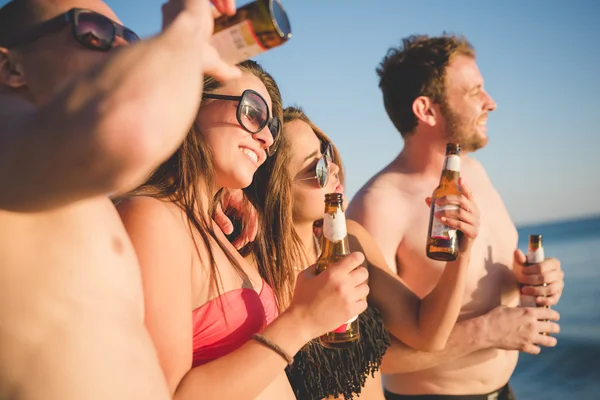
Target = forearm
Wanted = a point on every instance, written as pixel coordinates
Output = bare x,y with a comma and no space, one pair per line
252,367
466,338
108,129
439,310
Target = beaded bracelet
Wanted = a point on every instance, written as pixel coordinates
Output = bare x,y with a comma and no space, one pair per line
263,340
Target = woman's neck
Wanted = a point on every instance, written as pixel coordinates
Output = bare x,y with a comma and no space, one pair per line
307,238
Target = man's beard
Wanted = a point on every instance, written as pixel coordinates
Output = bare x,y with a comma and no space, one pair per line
458,130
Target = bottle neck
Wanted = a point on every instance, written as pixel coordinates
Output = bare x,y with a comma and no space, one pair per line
451,171
339,248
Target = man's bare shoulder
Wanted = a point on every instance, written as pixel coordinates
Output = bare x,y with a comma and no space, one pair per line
158,230
150,213
388,189
381,207
475,169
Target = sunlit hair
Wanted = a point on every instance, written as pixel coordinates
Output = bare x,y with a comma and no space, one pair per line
278,249
190,171
417,68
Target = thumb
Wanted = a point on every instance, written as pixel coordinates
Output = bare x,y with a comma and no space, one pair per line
428,201
519,257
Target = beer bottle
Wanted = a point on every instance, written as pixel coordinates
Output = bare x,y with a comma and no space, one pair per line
335,246
255,28
535,254
442,241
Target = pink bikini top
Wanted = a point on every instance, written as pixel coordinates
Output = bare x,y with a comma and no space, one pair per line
228,321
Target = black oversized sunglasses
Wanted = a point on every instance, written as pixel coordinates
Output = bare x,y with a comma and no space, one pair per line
323,166
253,114
91,29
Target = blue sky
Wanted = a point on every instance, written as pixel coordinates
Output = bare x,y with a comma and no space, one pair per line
539,58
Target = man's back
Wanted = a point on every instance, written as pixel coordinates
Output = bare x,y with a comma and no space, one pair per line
69,292
392,208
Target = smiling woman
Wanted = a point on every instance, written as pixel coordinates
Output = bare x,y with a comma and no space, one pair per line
197,281
209,313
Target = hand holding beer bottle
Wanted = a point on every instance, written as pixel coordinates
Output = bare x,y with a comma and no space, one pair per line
327,300
454,221
336,246
535,255
197,19
541,279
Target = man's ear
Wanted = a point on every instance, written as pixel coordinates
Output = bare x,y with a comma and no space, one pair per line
11,70
424,111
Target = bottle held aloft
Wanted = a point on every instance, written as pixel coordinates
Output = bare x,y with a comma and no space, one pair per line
442,240
255,28
335,247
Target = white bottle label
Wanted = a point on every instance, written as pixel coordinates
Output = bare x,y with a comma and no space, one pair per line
452,162
237,43
334,230
533,257
334,226
438,229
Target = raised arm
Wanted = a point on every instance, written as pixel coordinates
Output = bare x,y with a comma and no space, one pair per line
107,129
423,324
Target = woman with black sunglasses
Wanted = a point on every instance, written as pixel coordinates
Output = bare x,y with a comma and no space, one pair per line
214,321
292,188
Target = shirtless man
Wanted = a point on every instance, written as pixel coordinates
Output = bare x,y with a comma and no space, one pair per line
434,94
78,122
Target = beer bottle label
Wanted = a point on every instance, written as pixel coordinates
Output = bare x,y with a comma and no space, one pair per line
452,163
438,229
535,256
237,43
334,226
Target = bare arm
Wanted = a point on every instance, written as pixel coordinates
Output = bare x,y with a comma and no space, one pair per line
321,303
165,252
464,339
507,328
163,246
109,128
423,324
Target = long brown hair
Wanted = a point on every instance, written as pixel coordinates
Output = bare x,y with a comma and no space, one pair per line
190,171
278,250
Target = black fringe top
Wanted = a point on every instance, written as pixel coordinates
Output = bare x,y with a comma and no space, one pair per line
318,372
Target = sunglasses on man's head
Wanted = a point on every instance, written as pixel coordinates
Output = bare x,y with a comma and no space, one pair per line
253,114
323,166
92,30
